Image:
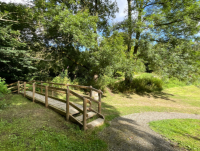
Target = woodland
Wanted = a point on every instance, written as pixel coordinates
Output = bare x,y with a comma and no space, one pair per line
78,39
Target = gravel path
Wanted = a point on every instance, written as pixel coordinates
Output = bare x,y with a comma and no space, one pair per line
132,133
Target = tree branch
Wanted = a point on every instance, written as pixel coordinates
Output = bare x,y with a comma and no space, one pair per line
175,21
152,4
1,19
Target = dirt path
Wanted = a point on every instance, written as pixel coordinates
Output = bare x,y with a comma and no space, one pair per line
132,133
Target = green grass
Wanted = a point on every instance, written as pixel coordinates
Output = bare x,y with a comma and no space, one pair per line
185,132
30,126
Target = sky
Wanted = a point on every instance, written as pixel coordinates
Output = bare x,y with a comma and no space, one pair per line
122,4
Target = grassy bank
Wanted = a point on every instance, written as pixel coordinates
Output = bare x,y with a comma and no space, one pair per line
29,126
184,132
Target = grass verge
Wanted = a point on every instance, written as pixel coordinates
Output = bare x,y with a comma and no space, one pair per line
184,132
30,126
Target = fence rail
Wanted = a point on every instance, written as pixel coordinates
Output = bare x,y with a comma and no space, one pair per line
21,87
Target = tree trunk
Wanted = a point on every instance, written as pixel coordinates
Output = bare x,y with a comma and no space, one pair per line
129,25
96,13
138,32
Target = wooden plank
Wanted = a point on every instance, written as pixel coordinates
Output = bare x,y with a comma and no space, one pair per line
12,84
67,104
57,83
76,94
30,82
63,92
61,100
46,96
12,87
54,88
99,104
100,115
95,123
18,86
39,85
74,106
40,93
73,119
51,83
90,114
80,86
84,114
91,99
72,109
15,91
34,92
29,87
99,91
24,89
90,91
56,109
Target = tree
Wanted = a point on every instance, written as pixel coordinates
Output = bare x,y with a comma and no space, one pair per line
15,59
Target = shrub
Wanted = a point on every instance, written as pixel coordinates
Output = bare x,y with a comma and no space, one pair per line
174,82
142,83
62,78
100,84
3,87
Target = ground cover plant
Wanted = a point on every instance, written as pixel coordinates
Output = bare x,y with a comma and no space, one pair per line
29,126
184,132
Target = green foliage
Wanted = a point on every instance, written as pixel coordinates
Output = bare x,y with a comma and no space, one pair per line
173,82
180,61
3,87
62,78
139,84
185,132
15,57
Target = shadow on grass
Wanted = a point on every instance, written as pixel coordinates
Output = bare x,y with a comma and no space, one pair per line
127,135
155,95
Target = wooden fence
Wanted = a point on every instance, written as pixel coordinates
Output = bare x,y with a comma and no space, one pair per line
21,87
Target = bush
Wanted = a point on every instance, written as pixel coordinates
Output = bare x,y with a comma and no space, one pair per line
3,87
142,83
101,83
62,78
174,82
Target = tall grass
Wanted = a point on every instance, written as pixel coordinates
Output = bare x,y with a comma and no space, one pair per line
141,83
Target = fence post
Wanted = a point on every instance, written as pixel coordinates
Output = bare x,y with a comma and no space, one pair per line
67,104
24,89
90,91
18,87
46,96
99,104
84,113
41,87
34,91
52,90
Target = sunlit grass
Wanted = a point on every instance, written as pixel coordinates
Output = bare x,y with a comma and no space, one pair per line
30,126
185,132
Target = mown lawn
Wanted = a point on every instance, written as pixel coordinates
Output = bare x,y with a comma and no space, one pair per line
185,132
30,126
